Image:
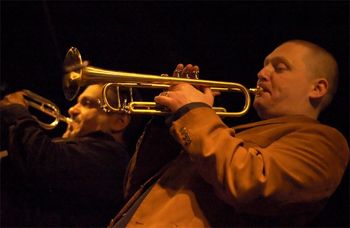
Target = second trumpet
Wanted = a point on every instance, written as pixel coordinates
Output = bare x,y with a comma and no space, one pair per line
47,107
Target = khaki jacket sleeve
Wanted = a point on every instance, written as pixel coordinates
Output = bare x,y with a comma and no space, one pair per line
292,166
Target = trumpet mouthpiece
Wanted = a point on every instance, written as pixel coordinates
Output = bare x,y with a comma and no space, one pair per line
256,91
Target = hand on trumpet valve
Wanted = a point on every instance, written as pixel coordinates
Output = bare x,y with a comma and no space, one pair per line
184,93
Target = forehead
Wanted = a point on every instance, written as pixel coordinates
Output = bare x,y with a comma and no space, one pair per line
292,52
93,91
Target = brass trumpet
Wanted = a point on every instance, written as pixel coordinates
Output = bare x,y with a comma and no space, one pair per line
77,73
46,106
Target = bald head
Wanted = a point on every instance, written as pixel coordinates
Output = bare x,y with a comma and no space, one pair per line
322,64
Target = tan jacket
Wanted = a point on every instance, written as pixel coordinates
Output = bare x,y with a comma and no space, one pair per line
278,171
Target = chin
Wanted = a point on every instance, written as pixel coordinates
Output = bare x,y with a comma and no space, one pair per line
264,116
257,105
261,111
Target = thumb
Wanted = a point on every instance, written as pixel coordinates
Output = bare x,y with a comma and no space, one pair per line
209,95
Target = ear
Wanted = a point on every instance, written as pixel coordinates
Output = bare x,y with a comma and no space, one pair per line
319,88
120,122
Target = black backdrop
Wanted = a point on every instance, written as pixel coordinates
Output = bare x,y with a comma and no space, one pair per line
228,40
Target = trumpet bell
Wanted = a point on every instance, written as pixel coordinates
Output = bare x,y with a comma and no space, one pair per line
73,69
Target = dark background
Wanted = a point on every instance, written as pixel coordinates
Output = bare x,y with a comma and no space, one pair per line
228,40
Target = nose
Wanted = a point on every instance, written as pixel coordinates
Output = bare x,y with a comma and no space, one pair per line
264,74
74,110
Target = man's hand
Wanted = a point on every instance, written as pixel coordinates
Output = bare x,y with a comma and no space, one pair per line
184,93
14,98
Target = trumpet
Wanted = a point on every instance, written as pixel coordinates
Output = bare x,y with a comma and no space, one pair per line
78,73
47,107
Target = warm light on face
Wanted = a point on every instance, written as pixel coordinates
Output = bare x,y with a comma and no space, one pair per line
283,83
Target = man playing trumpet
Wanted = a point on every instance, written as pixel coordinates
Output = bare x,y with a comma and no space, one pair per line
276,172
72,181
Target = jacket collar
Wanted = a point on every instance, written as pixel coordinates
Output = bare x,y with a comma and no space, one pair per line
277,120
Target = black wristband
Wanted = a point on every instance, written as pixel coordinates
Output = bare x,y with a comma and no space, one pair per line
183,110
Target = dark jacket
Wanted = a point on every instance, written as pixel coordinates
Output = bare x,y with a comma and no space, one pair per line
45,182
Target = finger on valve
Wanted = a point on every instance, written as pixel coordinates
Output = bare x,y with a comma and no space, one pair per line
178,70
195,72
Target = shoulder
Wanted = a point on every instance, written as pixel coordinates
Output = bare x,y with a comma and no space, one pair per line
314,129
324,138
293,128
324,130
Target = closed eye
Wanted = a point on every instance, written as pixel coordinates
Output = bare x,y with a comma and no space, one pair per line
280,67
89,103
279,63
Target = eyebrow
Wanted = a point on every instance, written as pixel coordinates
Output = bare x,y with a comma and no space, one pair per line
80,98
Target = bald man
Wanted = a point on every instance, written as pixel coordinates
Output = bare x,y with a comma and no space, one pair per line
279,171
